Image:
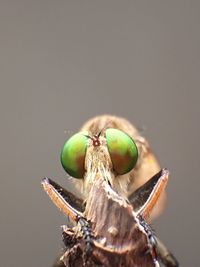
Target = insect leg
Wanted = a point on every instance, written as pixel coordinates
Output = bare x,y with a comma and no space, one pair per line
151,238
69,205
148,195
87,234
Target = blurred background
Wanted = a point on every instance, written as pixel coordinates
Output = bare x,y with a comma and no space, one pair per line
63,62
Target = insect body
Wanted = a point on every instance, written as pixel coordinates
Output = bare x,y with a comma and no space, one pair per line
110,159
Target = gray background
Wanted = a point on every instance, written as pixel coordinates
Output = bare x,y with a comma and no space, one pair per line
62,62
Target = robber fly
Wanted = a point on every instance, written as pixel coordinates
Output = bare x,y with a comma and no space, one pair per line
122,189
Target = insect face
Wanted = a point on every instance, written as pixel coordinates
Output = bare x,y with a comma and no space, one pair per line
113,147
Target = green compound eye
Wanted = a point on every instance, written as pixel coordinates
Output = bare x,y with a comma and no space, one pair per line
73,155
122,149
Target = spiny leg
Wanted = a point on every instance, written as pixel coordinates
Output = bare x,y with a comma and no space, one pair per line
144,199
87,234
67,202
151,238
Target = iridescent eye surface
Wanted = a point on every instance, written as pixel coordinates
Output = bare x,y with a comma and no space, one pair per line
73,155
122,149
